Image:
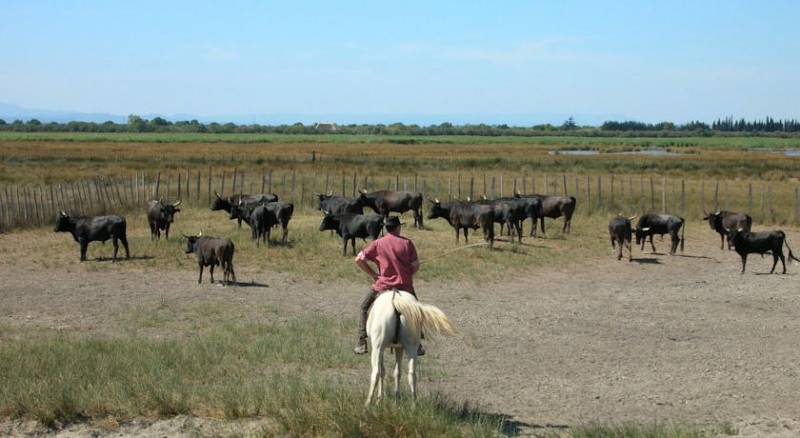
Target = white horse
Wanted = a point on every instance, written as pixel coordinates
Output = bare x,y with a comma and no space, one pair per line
382,326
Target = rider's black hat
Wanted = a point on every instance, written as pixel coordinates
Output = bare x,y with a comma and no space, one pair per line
393,221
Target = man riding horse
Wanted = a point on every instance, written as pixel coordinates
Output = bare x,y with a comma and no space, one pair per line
397,262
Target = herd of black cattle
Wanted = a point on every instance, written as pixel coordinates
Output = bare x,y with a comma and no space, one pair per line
346,217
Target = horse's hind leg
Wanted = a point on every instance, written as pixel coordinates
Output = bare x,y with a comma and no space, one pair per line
377,361
412,375
398,359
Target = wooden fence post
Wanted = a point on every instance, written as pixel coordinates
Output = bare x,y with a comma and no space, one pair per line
197,190
493,186
396,183
235,177
472,187
769,202
158,185
716,196
599,192
458,188
501,186
354,184
564,177
797,205
611,193
588,193
683,197
663,194
652,195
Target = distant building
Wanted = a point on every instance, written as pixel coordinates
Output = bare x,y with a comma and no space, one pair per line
325,127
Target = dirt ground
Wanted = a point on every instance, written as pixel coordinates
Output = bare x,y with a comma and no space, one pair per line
683,338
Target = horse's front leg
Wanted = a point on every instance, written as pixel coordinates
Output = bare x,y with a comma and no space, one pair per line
398,358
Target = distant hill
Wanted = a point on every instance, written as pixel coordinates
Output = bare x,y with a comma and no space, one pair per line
10,112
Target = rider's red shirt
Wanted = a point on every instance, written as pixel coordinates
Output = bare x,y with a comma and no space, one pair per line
394,256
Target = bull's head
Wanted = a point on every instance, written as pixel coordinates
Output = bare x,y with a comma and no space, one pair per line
168,210
329,222
641,234
191,242
712,218
62,222
220,203
436,210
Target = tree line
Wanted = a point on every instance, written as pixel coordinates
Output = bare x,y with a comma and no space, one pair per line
569,127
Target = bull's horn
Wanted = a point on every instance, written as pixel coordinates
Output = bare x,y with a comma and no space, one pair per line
362,191
217,194
161,201
518,192
177,203
330,193
633,217
201,233
646,229
469,199
63,213
484,197
740,230
240,202
436,200
185,236
327,212
716,213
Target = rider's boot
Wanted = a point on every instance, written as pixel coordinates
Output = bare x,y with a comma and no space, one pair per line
361,347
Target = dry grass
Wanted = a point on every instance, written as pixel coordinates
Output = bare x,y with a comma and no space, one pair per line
309,252
58,161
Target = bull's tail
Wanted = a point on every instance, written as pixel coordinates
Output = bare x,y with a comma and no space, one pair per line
683,233
422,317
791,256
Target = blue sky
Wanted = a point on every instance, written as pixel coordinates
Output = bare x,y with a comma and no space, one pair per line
512,61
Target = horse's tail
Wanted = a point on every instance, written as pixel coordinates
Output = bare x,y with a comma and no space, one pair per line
422,317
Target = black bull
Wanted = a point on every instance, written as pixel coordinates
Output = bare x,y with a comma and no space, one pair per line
745,242
259,217
555,207
226,204
722,221
652,223
160,216
385,201
212,251
92,229
351,226
339,204
620,231
466,216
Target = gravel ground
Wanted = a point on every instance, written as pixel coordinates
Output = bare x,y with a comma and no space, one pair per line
683,338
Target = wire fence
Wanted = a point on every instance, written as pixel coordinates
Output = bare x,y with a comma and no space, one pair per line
37,205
